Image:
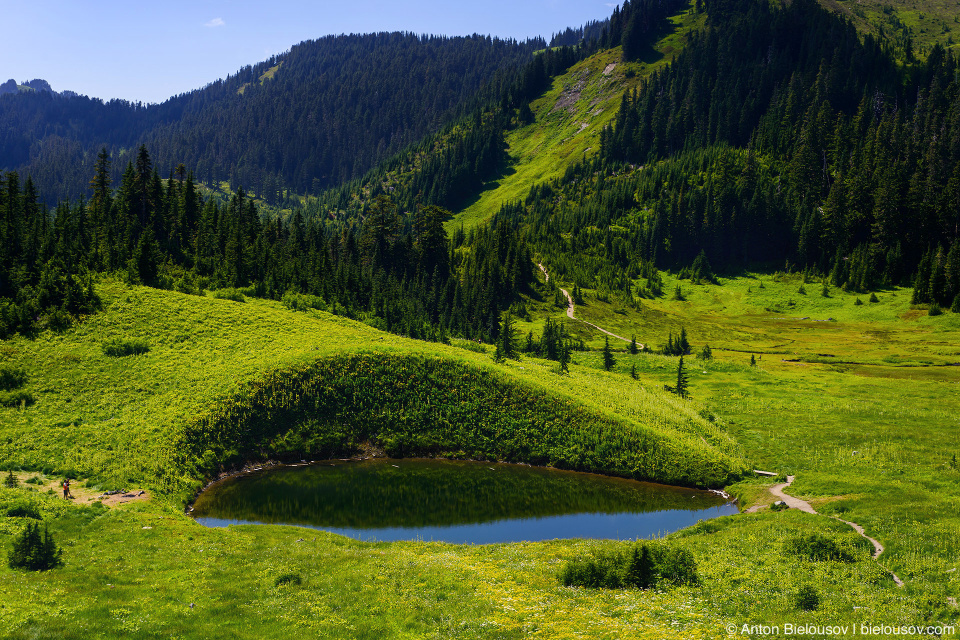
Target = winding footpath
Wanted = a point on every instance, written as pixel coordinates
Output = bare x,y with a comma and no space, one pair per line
803,505
570,309
776,490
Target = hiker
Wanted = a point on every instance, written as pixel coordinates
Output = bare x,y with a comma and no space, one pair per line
66,489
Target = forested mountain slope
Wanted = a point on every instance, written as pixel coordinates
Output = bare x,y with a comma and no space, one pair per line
322,113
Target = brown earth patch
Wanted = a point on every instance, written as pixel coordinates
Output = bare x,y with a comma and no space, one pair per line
81,493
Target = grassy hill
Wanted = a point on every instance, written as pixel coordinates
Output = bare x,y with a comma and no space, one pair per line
215,369
869,440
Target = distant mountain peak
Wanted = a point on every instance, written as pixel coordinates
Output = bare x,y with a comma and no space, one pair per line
37,84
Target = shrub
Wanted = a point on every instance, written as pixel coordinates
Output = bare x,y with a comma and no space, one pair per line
818,547
874,298
288,578
34,552
302,302
643,567
807,598
955,307
11,377
118,347
857,302
229,294
24,510
935,310
802,290
600,572
187,284
16,398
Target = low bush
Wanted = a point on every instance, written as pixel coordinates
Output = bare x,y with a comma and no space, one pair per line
24,510
807,598
34,552
229,294
820,548
303,302
16,398
288,578
645,566
118,347
11,377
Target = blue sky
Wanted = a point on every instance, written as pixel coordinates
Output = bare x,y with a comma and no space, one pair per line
148,51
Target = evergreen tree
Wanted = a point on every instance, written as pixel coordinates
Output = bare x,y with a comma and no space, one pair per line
507,339
564,357
681,387
608,360
633,345
34,552
641,569
683,346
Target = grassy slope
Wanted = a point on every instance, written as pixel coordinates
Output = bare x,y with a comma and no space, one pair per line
115,418
863,408
926,21
805,418
569,118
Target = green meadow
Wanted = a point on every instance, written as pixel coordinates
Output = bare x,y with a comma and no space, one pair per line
857,401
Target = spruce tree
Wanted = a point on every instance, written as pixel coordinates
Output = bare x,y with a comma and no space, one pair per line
681,388
641,571
33,552
633,345
564,357
683,345
608,359
498,353
507,340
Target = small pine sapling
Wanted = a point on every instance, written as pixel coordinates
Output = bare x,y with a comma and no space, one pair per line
608,359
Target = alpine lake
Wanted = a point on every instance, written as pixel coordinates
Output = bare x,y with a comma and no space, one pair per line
454,501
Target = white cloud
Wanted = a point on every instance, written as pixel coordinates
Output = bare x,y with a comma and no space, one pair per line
216,22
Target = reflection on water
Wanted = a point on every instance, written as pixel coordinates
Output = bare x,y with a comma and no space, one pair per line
461,502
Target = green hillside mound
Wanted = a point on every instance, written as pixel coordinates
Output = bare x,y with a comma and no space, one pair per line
218,383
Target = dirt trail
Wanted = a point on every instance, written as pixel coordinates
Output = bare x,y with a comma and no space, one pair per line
80,493
570,309
803,505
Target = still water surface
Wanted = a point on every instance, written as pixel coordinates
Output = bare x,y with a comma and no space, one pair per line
454,501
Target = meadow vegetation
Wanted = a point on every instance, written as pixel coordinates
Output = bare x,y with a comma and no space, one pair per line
868,437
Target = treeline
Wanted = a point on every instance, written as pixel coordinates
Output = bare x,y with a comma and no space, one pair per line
397,271
450,167
319,115
777,135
